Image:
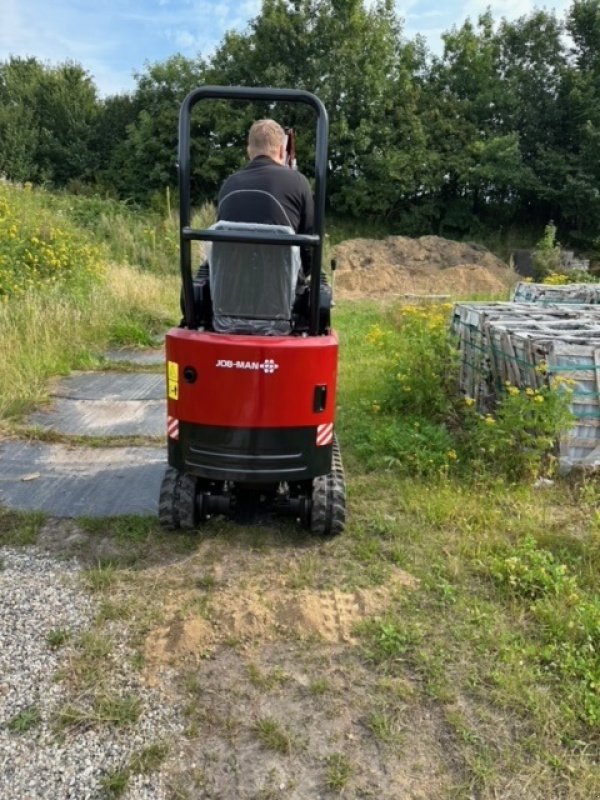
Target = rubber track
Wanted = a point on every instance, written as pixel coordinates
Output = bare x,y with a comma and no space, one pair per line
167,510
328,514
177,501
186,502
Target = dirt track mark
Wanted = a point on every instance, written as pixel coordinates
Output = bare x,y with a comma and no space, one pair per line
253,617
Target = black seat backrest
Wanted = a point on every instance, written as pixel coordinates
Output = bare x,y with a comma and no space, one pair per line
253,285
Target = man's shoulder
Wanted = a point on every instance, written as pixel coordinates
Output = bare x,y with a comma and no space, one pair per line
232,182
297,178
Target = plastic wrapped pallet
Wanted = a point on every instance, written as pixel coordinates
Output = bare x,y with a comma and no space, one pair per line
515,347
577,360
547,294
528,345
482,369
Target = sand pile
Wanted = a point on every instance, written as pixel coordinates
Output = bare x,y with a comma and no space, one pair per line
399,265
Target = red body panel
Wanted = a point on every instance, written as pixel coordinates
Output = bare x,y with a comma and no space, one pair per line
250,381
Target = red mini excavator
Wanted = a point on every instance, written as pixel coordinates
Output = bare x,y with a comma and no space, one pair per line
251,371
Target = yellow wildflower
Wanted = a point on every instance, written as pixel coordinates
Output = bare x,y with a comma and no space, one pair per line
375,336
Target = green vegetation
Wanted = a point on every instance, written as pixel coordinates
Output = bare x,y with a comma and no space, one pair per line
319,686
25,720
496,635
101,577
413,420
34,252
338,772
57,637
104,710
384,726
143,762
273,736
546,260
115,783
89,660
501,127
266,681
20,529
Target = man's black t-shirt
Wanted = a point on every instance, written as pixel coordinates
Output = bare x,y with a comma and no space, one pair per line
269,193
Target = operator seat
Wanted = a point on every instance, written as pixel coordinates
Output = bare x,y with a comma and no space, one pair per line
253,285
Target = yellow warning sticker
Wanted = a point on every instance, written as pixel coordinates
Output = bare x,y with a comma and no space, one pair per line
173,380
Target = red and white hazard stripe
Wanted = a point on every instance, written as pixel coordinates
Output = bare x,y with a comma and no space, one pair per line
172,428
324,434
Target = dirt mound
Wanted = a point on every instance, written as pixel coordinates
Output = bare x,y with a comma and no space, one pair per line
399,265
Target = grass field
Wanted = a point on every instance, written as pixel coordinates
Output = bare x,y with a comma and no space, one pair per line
445,646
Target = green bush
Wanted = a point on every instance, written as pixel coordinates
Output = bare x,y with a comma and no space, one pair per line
546,257
519,439
423,362
420,425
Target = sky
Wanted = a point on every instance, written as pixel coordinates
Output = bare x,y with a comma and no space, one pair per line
114,39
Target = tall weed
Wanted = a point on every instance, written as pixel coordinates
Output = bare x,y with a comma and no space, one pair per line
51,330
41,249
424,361
117,231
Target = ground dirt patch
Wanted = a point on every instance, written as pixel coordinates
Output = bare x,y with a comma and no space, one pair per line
331,747
194,623
429,265
180,639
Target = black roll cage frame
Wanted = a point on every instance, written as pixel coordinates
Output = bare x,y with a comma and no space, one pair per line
188,234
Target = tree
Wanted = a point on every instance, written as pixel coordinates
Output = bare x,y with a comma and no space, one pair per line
115,115
579,199
66,105
353,57
18,143
145,161
57,107
476,160
19,127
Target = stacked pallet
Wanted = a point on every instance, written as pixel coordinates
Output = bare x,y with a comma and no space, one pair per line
546,294
528,345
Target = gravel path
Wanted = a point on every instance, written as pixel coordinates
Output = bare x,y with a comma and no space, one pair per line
40,595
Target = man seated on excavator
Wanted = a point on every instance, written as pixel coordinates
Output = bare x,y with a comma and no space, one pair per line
266,191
